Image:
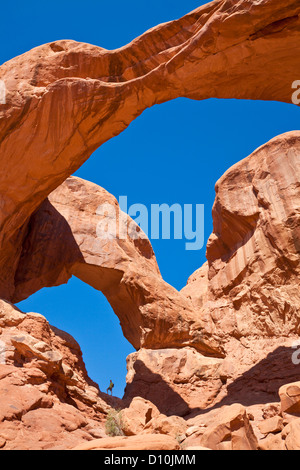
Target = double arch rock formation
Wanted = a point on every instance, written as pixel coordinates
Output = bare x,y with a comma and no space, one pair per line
64,100
61,241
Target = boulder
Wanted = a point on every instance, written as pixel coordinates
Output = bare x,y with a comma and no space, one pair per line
174,426
291,433
272,442
271,425
231,430
290,397
138,415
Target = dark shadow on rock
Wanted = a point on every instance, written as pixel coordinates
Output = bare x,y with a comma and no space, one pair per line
153,387
49,248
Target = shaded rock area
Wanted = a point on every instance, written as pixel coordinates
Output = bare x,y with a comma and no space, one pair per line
216,365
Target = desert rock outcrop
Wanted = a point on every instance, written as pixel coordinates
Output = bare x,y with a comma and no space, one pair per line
65,99
231,430
290,397
248,291
47,398
247,294
152,442
63,239
214,360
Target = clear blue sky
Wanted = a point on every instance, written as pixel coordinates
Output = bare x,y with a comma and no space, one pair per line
173,153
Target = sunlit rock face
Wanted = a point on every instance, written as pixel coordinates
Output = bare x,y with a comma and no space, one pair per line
227,340
47,398
250,284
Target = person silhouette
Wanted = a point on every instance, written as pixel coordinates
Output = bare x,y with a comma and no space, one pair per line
111,386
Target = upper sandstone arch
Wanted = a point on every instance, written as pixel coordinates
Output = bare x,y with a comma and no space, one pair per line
65,99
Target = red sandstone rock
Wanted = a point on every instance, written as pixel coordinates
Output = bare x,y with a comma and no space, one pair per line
251,277
65,99
290,397
271,425
291,433
175,380
193,448
230,431
255,366
246,296
174,426
63,240
138,415
47,398
248,291
142,416
272,442
271,410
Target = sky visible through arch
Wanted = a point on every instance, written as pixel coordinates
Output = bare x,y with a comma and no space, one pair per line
173,153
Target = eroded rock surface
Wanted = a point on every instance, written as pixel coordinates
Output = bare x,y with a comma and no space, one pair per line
248,291
151,442
250,285
64,100
47,399
177,381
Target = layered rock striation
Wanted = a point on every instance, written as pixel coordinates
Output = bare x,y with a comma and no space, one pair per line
47,399
220,352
